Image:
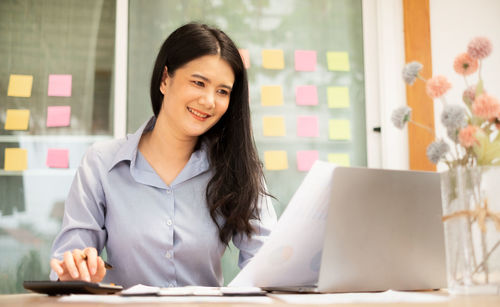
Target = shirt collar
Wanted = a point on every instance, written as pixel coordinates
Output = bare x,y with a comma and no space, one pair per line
128,151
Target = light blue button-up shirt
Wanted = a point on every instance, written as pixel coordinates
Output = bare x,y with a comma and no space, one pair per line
154,234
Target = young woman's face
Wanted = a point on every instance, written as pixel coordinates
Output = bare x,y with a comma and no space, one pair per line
197,96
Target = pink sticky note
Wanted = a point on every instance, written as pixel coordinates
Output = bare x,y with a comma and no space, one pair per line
60,85
307,126
305,159
245,56
306,95
58,116
305,60
58,158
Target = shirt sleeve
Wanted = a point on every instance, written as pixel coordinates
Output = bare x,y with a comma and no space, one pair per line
249,246
84,210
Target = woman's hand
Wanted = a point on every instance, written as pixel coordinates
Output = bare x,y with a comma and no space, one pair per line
83,265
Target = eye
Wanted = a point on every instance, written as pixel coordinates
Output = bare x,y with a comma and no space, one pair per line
223,92
198,83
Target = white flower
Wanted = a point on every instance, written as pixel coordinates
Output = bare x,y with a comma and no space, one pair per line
437,150
401,116
410,72
453,117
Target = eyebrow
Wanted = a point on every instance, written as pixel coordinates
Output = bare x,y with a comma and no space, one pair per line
208,80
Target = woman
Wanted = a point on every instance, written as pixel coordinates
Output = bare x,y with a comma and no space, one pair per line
166,200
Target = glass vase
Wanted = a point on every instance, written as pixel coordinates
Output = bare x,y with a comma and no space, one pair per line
471,216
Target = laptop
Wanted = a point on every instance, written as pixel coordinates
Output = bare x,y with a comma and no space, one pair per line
383,231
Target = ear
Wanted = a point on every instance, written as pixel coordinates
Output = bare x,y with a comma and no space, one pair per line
164,78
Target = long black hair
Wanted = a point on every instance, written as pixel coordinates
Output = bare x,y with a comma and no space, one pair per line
238,181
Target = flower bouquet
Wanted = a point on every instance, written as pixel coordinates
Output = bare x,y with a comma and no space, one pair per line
471,186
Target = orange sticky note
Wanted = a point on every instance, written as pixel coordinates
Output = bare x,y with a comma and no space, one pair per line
57,158
273,126
16,159
306,159
340,159
273,59
245,57
338,61
307,126
339,129
17,119
275,160
306,95
20,85
271,95
305,60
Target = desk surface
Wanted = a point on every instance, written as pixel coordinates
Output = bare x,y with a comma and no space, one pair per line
43,300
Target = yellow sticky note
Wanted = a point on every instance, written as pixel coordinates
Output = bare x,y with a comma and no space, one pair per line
273,125
273,59
16,159
20,86
17,119
271,95
338,96
275,160
338,61
339,159
339,129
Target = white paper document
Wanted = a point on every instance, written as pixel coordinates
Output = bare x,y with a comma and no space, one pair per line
118,299
292,253
142,290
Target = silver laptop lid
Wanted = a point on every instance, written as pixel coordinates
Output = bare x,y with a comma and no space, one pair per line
384,231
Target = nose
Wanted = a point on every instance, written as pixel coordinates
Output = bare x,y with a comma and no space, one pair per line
208,100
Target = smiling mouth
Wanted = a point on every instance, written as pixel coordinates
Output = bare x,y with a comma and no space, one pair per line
197,113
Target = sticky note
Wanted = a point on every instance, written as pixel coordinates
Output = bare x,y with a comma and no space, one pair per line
245,57
58,116
338,96
60,85
305,60
17,119
57,158
20,85
340,159
339,129
306,95
273,59
305,159
273,125
338,61
16,159
271,95
307,126
275,160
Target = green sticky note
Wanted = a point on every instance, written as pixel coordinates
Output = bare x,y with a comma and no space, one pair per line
339,129
16,159
20,86
273,125
275,160
271,95
338,96
339,159
17,119
338,61
273,59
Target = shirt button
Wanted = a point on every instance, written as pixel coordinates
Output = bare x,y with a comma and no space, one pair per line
169,222
168,255
171,285
169,190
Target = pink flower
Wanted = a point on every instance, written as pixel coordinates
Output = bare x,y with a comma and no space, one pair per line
464,64
479,48
470,93
486,107
467,137
437,86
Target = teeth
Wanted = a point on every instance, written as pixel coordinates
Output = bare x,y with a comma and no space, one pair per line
197,113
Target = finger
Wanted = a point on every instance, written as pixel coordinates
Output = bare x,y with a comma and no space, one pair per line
55,265
81,264
91,259
69,263
101,271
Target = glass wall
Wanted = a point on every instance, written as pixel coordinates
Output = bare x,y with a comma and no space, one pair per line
55,100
